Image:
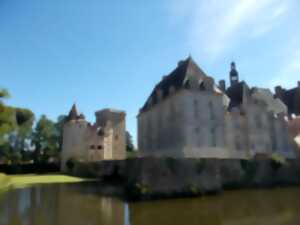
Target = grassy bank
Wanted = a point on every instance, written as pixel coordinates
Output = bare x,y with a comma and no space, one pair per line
19,181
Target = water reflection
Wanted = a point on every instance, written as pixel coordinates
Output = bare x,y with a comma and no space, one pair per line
79,204
60,205
264,207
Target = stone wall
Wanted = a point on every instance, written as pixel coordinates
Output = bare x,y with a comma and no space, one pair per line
148,178
196,124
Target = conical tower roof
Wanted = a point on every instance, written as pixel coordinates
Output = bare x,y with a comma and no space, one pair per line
73,114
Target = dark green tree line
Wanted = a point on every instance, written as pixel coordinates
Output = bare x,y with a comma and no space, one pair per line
22,139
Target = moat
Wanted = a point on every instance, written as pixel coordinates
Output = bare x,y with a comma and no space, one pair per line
81,204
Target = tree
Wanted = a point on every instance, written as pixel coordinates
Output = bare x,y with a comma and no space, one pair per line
4,94
15,129
129,142
45,139
59,130
7,125
23,131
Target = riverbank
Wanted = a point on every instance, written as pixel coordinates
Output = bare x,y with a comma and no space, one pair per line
19,181
156,178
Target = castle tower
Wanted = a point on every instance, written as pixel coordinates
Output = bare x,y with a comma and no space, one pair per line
74,137
233,75
113,122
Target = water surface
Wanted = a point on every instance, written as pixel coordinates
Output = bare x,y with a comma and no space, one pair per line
80,204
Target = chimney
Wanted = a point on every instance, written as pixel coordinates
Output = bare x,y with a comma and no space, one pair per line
299,84
222,85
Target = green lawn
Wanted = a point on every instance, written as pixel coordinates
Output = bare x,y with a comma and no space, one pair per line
19,181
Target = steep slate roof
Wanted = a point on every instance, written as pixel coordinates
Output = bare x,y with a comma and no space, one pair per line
178,78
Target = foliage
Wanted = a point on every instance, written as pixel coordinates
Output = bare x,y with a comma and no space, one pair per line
70,164
19,142
277,161
249,167
59,130
4,94
129,142
142,188
200,165
45,139
131,154
195,189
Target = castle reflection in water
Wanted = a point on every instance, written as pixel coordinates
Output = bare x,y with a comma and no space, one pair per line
80,204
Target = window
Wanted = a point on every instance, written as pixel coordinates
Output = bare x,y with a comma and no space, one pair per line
116,137
92,147
99,147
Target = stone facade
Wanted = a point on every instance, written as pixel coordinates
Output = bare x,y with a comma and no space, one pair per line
104,140
188,115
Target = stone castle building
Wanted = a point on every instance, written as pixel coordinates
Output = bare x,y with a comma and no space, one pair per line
104,140
188,115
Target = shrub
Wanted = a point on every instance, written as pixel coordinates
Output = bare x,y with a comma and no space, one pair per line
70,164
195,189
249,167
277,161
200,165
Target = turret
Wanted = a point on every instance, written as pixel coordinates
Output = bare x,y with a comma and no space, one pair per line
234,75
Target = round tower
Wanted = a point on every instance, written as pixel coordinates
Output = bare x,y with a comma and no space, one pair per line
74,138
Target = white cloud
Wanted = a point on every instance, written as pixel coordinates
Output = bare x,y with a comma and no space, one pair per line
215,26
289,73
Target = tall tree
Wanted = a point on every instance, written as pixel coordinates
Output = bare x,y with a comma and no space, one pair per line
59,130
45,139
129,142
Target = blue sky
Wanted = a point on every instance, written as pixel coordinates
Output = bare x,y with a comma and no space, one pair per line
111,53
